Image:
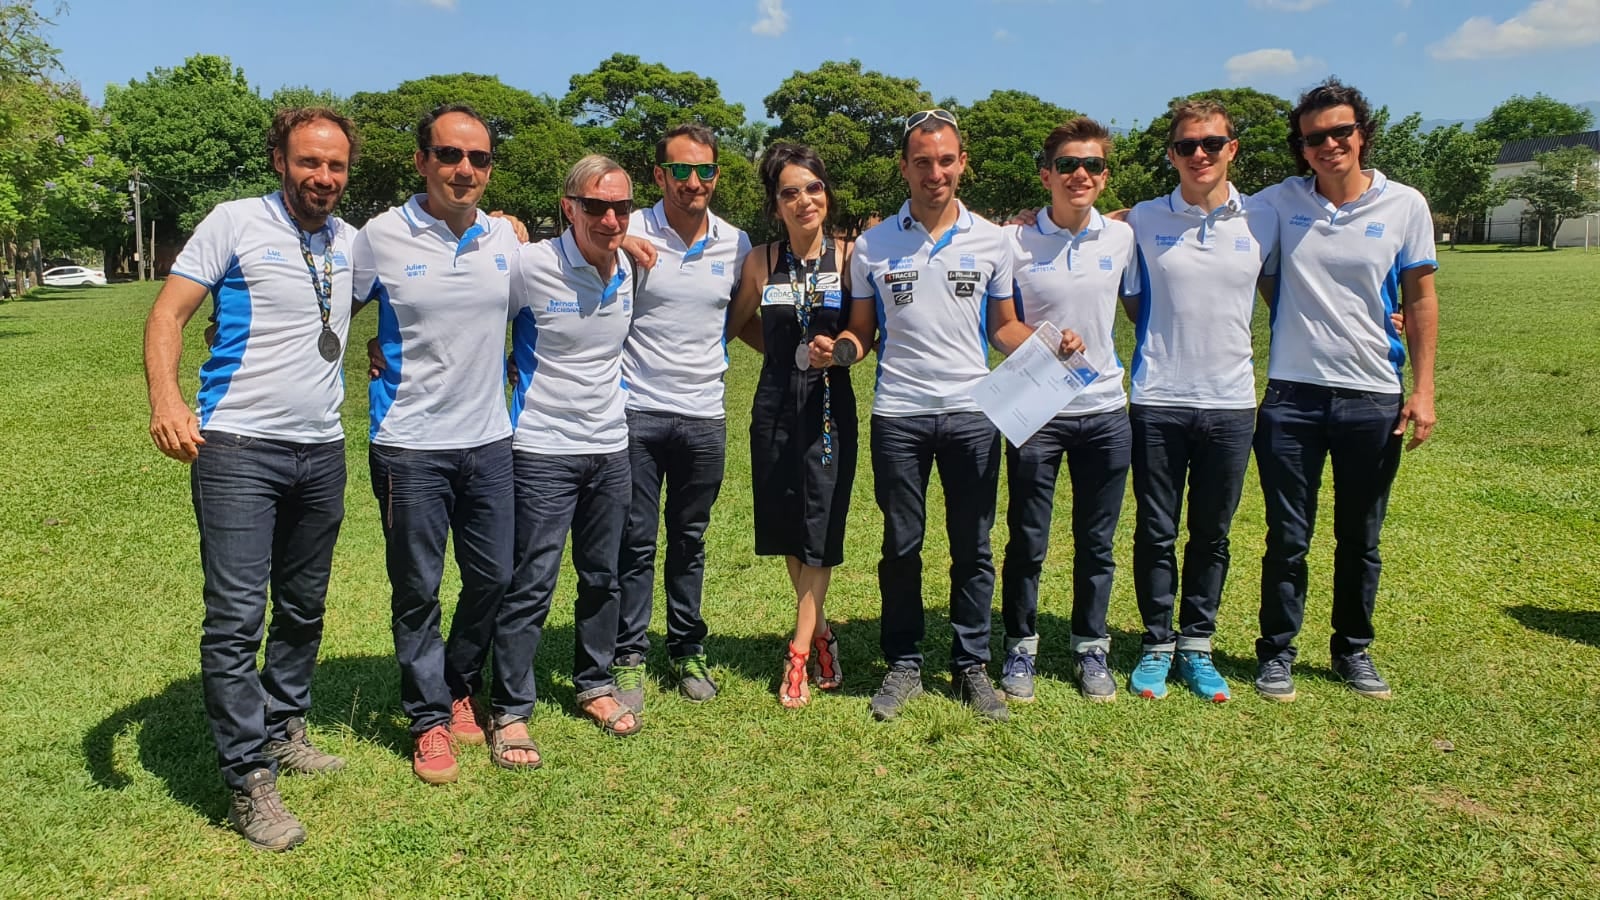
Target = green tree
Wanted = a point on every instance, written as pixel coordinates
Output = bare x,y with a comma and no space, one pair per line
1520,118
1260,120
1399,151
854,120
1005,132
625,105
1462,181
197,133
534,145
1563,184
301,95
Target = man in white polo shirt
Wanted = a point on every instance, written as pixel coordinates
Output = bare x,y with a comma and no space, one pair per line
1069,268
923,283
571,302
439,270
677,434
1202,251
1355,247
267,452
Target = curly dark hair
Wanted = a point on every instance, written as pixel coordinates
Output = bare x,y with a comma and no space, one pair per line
784,154
288,119
1330,93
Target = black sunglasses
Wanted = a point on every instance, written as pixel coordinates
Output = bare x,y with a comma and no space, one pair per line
810,189
942,115
594,206
1337,132
1213,145
1066,165
480,159
680,171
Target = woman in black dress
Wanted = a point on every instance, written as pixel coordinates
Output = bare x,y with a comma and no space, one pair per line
803,420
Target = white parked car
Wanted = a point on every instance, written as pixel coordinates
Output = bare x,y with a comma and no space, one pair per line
73,276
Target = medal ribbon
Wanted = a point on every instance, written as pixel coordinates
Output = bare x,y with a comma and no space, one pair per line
323,286
804,292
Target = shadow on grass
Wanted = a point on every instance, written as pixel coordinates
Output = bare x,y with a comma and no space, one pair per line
1582,625
42,294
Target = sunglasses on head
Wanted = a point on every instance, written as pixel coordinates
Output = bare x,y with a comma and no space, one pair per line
480,159
1337,132
680,171
942,115
1212,144
1066,165
594,206
811,189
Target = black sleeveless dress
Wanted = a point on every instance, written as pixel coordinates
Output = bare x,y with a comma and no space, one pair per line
800,503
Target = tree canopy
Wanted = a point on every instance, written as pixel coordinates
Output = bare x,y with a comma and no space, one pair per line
1520,118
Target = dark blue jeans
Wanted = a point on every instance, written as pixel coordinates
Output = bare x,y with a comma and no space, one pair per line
966,448
588,497
688,454
269,513
425,496
1096,449
1210,448
1300,426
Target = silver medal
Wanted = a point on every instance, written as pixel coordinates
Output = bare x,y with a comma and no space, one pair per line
328,345
802,357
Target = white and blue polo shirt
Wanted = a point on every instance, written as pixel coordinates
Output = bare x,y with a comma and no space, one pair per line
677,351
1073,281
1195,278
1339,279
265,377
442,308
567,332
932,298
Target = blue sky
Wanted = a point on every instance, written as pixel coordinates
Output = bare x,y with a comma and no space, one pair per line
1117,60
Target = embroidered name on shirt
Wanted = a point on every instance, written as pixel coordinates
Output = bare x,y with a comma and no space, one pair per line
1375,230
1300,221
1169,240
272,255
1042,267
561,306
900,262
416,270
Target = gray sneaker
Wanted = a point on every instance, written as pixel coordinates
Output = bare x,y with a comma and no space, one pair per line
257,813
298,756
1274,680
1016,676
628,672
694,677
899,686
973,687
1093,677
1358,671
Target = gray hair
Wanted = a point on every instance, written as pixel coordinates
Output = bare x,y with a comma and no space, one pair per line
590,169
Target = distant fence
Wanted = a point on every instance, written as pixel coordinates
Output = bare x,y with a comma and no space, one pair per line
1519,231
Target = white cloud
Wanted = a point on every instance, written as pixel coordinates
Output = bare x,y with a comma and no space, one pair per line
774,19
1268,63
1544,25
1002,35
1400,39
1288,5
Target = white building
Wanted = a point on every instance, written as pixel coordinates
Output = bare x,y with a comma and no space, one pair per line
1516,157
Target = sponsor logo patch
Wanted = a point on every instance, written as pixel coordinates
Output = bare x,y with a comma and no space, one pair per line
832,299
966,288
1241,244
901,288
902,299
828,281
963,275
338,258
416,270
899,277
500,262
1375,230
719,268
1300,221
777,295
1106,264
968,261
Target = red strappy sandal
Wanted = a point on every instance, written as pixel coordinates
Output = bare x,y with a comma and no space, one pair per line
793,692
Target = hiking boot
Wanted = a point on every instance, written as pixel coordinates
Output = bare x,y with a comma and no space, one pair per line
1358,671
1198,672
1016,676
1274,680
464,727
628,673
435,758
257,812
1093,678
694,678
297,755
898,686
1149,676
974,688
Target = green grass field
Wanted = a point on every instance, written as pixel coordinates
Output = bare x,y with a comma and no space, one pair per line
1481,777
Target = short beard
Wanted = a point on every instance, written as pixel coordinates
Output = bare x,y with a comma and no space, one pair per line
302,208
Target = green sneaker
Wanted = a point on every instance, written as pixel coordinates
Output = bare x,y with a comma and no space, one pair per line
628,673
694,677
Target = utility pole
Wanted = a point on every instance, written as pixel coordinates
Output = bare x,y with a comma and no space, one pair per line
138,226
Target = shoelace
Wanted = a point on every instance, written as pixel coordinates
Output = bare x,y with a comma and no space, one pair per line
1094,665
1153,662
1362,668
1019,664
1275,670
629,677
900,681
435,743
694,667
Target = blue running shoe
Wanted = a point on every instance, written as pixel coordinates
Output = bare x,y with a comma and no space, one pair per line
1016,676
1196,670
1094,679
1149,677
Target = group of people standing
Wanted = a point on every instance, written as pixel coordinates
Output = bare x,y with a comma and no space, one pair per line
618,333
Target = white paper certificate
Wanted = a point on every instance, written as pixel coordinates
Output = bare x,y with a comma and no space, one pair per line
1032,385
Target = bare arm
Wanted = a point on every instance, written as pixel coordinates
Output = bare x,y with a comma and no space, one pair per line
1007,332
744,321
1421,307
173,426
846,347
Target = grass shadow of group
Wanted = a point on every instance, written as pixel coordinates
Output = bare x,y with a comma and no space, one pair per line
1581,625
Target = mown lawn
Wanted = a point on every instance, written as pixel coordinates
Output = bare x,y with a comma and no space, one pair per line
1481,777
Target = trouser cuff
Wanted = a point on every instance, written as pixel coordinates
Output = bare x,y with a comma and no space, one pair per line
1203,644
1028,645
1089,645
